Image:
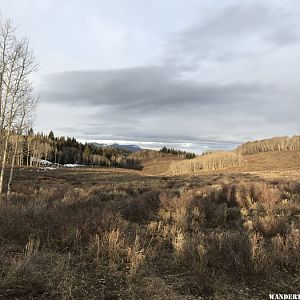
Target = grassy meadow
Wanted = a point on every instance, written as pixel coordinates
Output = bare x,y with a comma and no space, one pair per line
104,233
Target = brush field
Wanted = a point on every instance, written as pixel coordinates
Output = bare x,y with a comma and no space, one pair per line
104,233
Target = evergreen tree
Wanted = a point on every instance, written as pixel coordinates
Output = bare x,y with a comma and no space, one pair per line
51,135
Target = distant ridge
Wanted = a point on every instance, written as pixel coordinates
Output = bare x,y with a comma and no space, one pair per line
131,148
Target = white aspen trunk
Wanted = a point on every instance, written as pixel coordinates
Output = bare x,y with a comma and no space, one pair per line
4,157
13,159
28,151
12,170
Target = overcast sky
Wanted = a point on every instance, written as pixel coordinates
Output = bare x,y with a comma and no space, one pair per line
189,74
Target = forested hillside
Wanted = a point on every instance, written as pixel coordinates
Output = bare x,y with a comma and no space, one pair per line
34,149
225,159
148,155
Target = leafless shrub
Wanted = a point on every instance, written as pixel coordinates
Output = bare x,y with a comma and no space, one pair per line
142,207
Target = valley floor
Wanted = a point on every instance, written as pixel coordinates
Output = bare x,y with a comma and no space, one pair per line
124,234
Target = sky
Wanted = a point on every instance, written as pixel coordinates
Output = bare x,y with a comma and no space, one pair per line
196,75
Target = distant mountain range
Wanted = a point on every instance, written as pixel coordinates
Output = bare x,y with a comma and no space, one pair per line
131,148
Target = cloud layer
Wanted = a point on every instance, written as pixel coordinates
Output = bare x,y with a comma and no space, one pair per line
227,76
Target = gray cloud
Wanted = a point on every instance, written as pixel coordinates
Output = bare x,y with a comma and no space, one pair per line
238,31
177,101
144,89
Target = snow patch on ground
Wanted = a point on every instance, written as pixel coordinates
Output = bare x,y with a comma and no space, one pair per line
73,165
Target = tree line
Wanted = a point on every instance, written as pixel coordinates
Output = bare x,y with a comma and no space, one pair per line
148,155
180,153
213,161
41,149
283,143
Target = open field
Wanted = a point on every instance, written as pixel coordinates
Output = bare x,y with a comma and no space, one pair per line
123,234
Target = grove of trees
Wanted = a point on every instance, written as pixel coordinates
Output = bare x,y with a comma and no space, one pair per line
180,153
17,103
70,151
283,143
40,149
213,161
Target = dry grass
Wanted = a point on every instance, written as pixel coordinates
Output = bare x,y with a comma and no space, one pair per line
117,234
268,165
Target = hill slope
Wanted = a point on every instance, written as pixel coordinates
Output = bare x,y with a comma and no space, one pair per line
276,155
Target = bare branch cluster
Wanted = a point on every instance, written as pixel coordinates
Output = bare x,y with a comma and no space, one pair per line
17,103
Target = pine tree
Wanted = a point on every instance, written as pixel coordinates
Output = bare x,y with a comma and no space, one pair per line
51,135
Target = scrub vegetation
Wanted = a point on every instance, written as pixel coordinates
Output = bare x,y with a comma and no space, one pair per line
121,234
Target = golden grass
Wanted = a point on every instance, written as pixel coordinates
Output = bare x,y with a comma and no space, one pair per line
269,165
122,234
